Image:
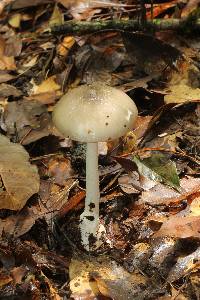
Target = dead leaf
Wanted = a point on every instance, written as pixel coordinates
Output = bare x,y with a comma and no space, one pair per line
93,276
24,3
191,5
180,227
53,198
150,55
7,90
6,62
13,46
20,178
15,20
160,194
65,45
4,279
44,98
48,85
4,3
184,265
29,119
160,168
18,273
56,17
4,76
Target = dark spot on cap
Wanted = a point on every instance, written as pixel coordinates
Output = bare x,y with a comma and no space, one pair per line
107,116
90,218
125,125
106,123
89,131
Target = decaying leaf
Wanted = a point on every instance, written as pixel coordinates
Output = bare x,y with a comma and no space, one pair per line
160,194
7,90
102,276
6,62
159,168
52,198
185,265
29,119
48,85
181,227
56,18
20,178
150,54
184,85
15,20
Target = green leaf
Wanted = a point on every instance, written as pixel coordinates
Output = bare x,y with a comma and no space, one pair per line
159,168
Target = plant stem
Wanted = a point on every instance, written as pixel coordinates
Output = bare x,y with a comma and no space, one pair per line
90,217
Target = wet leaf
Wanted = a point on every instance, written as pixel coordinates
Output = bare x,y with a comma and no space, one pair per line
90,277
158,168
184,265
20,178
160,194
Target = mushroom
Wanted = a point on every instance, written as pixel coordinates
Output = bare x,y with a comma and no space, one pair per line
90,114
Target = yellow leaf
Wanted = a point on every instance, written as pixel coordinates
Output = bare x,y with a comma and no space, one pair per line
66,45
15,20
47,85
56,17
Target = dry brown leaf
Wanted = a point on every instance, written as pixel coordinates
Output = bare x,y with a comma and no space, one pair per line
190,7
4,76
180,226
20,178
24,3
7,90
161,194
6,62
4,279
13,46
3,3
44,98
29,118
52,200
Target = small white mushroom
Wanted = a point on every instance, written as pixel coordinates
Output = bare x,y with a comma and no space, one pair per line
90,114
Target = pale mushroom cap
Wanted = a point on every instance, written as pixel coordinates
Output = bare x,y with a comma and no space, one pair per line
95,112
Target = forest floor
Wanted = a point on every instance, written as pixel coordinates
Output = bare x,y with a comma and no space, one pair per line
149,179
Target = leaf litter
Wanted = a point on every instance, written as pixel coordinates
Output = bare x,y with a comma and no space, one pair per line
149,178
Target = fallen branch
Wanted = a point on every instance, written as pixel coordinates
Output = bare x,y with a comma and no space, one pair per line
86,27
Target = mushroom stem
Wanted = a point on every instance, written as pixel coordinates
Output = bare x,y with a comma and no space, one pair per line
89,224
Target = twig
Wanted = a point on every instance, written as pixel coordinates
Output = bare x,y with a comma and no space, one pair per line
86,27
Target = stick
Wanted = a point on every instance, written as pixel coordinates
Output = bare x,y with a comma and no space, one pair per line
86,27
